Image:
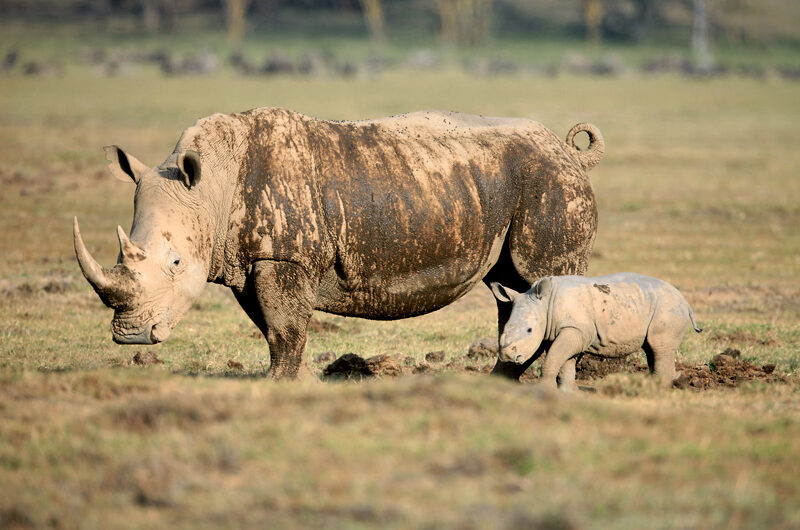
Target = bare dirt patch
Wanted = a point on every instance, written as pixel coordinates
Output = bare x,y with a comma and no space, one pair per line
485,348
591,367
354,367
435,356
146,358
724,370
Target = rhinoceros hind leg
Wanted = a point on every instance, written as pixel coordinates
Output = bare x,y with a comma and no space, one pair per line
249,302
286,296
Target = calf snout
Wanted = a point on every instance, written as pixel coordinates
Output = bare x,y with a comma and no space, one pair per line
510,354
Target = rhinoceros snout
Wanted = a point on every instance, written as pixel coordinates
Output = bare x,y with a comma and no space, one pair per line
145,337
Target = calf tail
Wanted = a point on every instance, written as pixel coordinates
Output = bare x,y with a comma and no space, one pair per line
694,324
597,146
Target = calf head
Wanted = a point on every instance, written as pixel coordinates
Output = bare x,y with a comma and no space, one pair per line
525,329
162,267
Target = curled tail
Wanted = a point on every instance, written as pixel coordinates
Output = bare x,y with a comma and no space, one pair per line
589,158
694,324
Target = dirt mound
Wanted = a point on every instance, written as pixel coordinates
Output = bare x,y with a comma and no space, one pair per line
384,365
354,367
147,358
484,348
435,356
348,366
726,369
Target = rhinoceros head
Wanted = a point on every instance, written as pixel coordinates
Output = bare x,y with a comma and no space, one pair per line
526,327
163,266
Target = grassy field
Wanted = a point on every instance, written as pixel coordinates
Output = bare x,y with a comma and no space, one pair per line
699,186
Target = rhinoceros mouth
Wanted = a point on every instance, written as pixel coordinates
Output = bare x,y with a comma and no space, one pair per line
144,337
123,333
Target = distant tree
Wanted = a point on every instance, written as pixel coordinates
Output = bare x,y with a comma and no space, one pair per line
464,22
593,19
376,22
235,11
702,55
158,15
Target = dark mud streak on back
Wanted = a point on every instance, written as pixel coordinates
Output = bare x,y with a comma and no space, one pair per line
404,217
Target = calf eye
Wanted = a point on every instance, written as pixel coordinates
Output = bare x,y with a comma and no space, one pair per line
530,330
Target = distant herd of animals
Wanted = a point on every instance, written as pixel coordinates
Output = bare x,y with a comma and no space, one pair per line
382,219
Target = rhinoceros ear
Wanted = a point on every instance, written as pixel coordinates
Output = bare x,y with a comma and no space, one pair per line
504,294
189,165
124,166
542,288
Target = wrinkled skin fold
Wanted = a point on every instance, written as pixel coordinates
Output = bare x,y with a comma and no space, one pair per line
379,219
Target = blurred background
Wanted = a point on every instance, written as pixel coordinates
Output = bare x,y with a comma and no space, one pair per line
363,37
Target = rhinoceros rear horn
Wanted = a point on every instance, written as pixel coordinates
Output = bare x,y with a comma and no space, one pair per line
189,165
115,285
128,250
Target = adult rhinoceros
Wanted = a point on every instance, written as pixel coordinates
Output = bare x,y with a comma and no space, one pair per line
380,219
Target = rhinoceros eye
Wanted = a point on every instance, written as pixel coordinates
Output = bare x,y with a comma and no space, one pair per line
530,330
174,261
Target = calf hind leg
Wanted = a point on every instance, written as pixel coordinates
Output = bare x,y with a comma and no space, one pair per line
661,359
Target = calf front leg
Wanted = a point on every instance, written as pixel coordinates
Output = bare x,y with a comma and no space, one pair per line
286,295
566,376
566,345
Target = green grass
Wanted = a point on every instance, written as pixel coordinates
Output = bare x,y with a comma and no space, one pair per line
698,187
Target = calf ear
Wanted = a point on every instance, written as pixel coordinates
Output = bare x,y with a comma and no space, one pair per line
542,288
504,294
189,165
124,166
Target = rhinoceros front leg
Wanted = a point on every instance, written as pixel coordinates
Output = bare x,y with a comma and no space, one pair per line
286,296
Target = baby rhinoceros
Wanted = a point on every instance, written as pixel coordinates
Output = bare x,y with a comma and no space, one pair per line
608,316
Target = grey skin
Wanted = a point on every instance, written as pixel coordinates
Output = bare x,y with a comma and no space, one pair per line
565,317
379,219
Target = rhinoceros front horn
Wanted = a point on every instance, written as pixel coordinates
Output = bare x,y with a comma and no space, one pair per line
114,285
